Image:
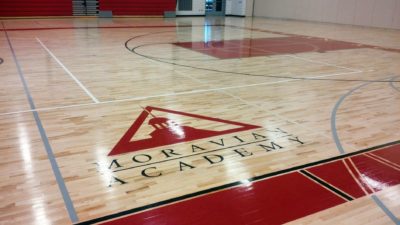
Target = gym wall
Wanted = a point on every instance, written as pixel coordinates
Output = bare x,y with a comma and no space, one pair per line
373,13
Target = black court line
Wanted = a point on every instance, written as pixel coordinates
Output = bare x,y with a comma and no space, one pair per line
323,183
230,185
134,51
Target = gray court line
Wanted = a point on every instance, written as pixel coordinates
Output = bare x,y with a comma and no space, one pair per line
393,86
50,155
333,117
385,209
342,151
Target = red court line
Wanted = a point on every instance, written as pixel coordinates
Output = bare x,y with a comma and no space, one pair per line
100,27
275,200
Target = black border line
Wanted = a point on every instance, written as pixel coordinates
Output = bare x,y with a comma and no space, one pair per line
226,186
323,183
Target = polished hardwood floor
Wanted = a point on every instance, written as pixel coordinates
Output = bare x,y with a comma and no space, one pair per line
154,119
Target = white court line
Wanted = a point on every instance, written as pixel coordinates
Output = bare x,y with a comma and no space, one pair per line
174,94
323,63
308,60
260,106
69,72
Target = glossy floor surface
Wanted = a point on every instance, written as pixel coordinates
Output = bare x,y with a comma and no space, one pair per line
198,121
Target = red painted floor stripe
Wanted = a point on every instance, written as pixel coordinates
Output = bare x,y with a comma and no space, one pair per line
337,174
376,174
391,154
230,49
354,170
272,201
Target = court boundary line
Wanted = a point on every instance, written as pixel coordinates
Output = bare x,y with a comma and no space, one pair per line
77,81
295,56
172,94
335,134
394,86
322,63
134,51
230,185
257,105
332,188
341,150
226,49
50,154
300,35
385,209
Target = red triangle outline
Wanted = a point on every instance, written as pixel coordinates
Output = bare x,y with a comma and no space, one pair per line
125,141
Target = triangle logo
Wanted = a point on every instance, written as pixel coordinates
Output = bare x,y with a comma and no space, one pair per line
163,130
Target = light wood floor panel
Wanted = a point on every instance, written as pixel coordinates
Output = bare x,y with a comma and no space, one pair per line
388,197
140,75
29,191
365,208
381,61
293,114
290,101
48,81
77,161
12,95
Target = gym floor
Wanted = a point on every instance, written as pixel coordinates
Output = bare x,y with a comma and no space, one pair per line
197,120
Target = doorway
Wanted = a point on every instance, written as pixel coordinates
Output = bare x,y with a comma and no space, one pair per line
215,7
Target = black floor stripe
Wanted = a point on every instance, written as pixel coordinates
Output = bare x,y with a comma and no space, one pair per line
230,185
330,187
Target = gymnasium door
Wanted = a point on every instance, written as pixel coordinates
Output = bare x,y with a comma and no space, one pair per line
215,7
85,7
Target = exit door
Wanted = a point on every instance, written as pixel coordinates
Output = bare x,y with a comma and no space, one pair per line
215,7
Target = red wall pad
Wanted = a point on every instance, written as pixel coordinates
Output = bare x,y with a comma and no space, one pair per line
16,8
137,7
